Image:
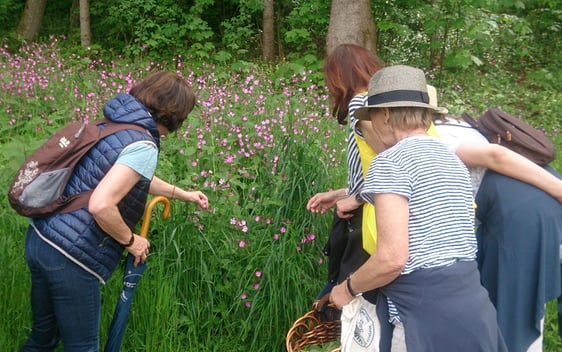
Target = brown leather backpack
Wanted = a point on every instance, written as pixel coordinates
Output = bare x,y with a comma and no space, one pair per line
501,128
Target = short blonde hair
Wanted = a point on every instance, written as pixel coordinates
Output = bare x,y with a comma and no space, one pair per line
410,118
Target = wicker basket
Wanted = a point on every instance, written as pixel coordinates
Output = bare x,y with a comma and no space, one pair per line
319,326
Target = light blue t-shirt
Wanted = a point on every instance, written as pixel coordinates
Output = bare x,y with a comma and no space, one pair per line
140,156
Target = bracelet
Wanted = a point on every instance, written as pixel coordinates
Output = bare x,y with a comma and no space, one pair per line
131,241
173,192
351,292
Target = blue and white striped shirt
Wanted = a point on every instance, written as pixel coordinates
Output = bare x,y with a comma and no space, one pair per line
437,186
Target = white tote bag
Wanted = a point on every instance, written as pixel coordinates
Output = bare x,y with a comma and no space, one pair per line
360,327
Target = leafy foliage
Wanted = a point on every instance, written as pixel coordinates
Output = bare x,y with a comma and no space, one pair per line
305,27
8,21
451,34
149,27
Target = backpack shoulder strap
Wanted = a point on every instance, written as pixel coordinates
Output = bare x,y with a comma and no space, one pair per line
80,200
112,127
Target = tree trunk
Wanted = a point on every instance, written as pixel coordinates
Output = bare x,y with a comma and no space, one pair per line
268,31
75,15
30,21
435,51
351,22
85,34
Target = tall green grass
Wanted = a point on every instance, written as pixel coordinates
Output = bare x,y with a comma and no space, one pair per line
14,281
259,144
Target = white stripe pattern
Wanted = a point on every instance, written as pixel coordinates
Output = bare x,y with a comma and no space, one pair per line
354,169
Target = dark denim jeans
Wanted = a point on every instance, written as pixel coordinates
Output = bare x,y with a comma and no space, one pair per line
65,300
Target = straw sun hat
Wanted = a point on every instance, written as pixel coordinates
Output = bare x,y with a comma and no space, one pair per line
397,86
432,92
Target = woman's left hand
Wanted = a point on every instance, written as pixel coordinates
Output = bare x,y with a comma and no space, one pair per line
340,296
346,206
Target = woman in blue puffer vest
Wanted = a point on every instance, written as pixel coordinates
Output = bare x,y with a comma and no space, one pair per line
70,254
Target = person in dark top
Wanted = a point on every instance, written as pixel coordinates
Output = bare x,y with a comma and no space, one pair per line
519,239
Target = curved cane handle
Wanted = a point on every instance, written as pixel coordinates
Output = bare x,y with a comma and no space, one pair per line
148,213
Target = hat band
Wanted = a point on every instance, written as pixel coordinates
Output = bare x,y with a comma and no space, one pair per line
399,95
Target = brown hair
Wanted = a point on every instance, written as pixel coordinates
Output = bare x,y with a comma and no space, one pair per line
167,97
347,71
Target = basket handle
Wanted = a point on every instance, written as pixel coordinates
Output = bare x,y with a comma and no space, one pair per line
321,303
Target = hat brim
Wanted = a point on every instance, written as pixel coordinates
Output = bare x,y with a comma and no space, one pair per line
432,92
362,113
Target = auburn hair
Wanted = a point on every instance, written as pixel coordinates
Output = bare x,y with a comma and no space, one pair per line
347,72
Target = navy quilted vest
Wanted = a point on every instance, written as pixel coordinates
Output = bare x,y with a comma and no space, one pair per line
76,234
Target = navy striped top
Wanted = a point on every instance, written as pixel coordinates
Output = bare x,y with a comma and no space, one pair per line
354,169
437,186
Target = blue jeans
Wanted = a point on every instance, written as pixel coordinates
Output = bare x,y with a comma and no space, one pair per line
65,300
